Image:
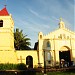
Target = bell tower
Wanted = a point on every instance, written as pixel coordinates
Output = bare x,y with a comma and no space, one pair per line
6,30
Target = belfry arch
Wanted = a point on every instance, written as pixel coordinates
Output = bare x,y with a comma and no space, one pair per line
65,53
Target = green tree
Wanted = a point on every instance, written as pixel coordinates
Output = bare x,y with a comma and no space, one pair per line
21,42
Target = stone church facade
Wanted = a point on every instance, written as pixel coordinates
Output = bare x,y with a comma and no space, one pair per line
57,45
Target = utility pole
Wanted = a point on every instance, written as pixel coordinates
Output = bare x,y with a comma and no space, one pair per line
44,63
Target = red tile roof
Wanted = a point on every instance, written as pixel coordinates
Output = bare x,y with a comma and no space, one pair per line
4,12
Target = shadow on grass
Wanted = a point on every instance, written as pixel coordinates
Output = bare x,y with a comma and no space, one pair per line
57,73
18,72
33,72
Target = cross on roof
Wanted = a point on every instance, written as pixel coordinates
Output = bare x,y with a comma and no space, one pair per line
60,18
5,5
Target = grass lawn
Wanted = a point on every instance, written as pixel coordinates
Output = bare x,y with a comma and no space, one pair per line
57,73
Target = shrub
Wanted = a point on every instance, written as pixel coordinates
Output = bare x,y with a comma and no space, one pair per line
21,66
8,66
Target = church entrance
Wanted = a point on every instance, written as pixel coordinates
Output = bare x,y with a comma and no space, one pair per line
65,58
29,61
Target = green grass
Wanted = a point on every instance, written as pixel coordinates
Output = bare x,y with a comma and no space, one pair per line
57,73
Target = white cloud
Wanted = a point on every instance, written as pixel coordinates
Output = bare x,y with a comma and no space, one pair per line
55,18
35,13
44,17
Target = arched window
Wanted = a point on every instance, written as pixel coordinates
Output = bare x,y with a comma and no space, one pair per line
1,23
48,46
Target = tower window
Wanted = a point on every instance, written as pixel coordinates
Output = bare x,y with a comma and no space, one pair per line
1,23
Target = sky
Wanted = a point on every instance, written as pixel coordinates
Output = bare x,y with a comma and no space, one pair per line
34,16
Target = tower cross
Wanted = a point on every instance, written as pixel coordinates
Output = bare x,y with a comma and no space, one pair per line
5,5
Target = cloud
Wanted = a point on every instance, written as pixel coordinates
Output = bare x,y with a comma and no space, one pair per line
55,18
54,9
43,17
35,13
23,24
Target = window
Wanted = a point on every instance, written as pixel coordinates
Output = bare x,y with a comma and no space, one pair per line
1,23
48,44
40,36
60,36
64,36
49,57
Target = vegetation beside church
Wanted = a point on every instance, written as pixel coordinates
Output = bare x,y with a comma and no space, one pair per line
8,66
21,42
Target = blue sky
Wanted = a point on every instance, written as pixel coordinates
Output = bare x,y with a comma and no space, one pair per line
33,16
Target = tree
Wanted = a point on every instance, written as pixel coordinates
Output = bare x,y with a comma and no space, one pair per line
21,42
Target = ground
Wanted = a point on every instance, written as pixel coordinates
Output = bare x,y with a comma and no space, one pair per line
57,73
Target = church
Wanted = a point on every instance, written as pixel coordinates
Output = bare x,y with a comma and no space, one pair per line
51,48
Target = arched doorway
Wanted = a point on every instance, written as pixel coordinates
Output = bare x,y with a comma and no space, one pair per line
64,54
29,61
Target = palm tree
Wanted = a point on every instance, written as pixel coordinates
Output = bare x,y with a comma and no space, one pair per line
21,42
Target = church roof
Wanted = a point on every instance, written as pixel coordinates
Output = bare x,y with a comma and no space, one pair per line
4,12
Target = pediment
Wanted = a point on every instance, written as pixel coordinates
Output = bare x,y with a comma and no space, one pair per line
60,33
